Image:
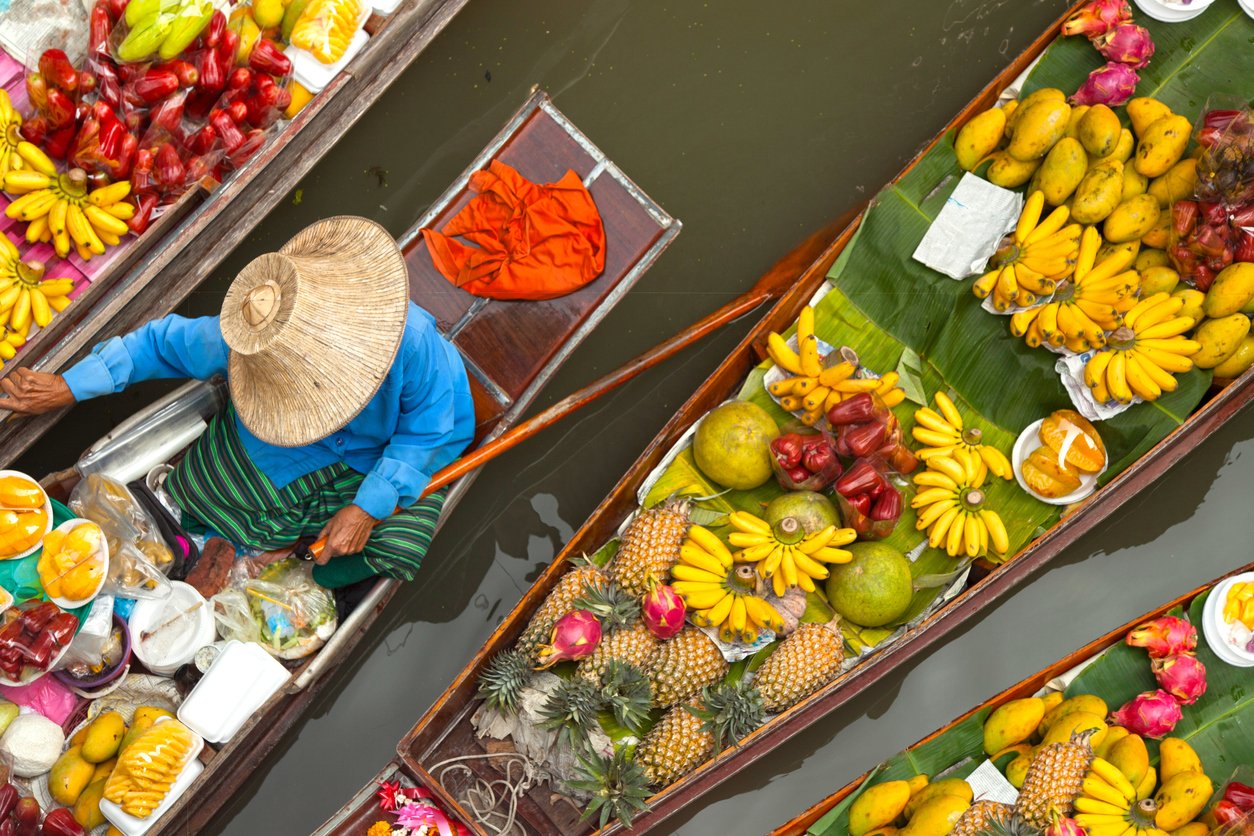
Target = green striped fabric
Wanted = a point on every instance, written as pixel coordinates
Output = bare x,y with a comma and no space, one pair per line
218,485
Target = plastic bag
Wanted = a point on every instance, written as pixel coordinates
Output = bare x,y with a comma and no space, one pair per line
865,426
804,460
869,496
46,696
87,649
131,575
33,637
283,609
158,29
111,505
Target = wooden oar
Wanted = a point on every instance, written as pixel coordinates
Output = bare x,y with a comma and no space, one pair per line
771,286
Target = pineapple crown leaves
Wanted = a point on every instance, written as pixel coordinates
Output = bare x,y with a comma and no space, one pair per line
617,784
610,603
627,692
502,681
572,709
729,712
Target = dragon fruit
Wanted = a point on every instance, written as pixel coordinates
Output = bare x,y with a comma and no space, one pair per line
1063,826
1182,676
1127,44
1110,85
1152,714
575,635
663,611
1167,635
1097,17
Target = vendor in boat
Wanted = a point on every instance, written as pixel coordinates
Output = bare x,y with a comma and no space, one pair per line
345,399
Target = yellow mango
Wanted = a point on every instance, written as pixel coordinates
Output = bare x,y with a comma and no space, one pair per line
1039,126
1220,339
1073,124
144,717
1176,756
1131,758
1113,735
1045,94
1131,219
1071,724
1098,193
1144,111
1017,771
104,736
1125,147
1009,173
1181,799
1193,299
878,806
1238,361
1133,183
1162,145
1159,235
937,817
1177,183
87,807
1158,280
1052,700
103,770
1192,829
887,830
1012,723
1099,130
1146,788
1231,291
1151,256
956,787
78,737
917,783
1089,703
979,137
268,13
69,776
1064,167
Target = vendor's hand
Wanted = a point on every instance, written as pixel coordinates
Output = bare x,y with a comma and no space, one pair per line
34,393
346,533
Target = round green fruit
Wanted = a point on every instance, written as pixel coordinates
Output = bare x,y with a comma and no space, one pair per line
873,589
733,445
813,511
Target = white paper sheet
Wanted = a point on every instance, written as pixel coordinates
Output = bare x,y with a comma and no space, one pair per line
969,227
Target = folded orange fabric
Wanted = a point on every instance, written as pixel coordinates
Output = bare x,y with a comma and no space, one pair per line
533,242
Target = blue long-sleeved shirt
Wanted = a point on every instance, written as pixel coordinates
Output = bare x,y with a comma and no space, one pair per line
420,420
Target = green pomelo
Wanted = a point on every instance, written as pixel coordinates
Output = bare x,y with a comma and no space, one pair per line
814,511
874,588
732,445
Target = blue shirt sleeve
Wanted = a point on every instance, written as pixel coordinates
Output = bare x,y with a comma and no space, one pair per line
171,347
420,444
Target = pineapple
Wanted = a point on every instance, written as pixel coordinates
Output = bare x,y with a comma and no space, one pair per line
633,645
572,709
1054,781
990,818
503,679
650,547
684,665
559,602
803,663
610,603
627,693
690,734
616,785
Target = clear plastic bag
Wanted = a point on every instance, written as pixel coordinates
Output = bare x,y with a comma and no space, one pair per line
283,609
869,496
132,575
804,460
124,521
152,29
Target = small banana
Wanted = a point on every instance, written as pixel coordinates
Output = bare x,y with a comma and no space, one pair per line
1142,355
718,593
951,507
943,429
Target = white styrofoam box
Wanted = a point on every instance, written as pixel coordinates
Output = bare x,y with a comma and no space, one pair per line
238,682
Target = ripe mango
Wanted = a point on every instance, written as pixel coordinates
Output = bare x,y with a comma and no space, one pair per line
1113,735
1017,771
1133,183
1193,300
104,736
886,830
1045,94
1009,173
1231,292
1064,167
1177,184
1128,250
1176,756
979,137
104,770
1098,193
1144,111
1158,280
1124,148
1196,828
1080,702
1159,235
1099,130
956,787
1131,219
1181,799
1012,723
1131,758
1051,700
878,806
144,717
1075,723
1162,145
1238,361
1151,256
936,817
268,13
1220,339
87,807
1073,124
917,783
1039,126
69,776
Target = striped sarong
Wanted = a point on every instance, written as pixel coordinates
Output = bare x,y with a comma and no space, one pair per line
218,485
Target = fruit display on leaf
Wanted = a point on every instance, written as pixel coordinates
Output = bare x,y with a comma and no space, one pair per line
950,507
785,554
72,563
721,593
943,430
865,426
1039,255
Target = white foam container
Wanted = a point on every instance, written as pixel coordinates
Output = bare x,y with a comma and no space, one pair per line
1172,12
314,75
238,682
132,826
1215,631
197,629
1025,444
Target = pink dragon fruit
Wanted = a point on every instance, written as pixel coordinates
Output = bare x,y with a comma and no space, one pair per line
575,635
1063,826
1110,85
663,611
1167,635
1182,676
1097,17
1152,714
1127,43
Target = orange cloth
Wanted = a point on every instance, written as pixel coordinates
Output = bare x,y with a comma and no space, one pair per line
534,242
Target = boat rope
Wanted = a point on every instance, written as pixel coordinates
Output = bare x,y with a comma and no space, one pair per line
484,798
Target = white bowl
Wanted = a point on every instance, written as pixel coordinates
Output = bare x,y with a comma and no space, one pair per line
70,603
1247,6
190,634
1027,442
1172,12
1214,629
47,513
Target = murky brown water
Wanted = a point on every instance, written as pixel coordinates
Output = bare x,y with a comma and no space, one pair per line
755,124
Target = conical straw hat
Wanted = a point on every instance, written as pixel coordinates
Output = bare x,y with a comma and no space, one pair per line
313,329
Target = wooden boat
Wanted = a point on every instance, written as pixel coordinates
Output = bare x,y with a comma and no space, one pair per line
445,731
511,350
1030,686
187,243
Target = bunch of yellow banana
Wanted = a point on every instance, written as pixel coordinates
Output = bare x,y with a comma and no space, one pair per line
814,388
943,432
950,505
60,209
1040,253
1108,804
718,593
11,341
25,293
1143,354
785,555
1086,307
10,124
